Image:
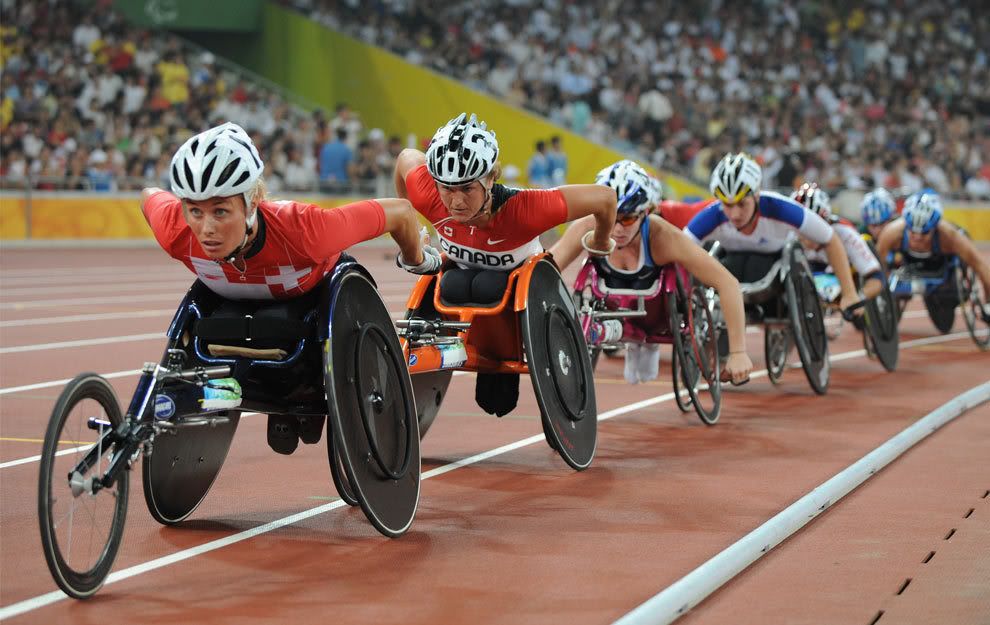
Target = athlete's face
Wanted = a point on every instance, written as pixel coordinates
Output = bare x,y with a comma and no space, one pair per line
625,230
741,212
218,223
463,201
919,242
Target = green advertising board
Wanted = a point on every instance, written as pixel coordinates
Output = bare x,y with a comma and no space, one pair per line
216,15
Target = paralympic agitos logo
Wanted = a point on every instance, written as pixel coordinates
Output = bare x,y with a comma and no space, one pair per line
477,257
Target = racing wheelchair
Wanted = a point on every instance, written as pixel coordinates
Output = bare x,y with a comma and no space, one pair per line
785,302
880,317
686,323
340,360
531,329
943,289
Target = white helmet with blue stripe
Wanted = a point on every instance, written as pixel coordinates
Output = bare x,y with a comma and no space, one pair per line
635,190
878,207
922,211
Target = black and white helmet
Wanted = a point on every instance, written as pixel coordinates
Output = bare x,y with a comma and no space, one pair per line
734,177
218,162
462,150
811,196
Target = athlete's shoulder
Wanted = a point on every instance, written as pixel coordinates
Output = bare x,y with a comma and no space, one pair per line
777,206
707,219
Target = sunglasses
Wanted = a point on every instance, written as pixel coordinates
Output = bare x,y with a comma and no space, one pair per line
628,220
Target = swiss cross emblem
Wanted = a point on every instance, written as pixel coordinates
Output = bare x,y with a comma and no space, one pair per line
288,277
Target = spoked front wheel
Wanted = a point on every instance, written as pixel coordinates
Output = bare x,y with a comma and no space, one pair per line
81,521
972,300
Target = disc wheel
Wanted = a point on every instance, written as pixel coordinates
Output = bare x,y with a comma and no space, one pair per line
81,526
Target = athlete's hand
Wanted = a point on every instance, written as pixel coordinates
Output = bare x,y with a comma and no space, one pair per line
851,306
737,368
430,265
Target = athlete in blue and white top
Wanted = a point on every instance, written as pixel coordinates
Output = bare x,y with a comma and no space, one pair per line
744,220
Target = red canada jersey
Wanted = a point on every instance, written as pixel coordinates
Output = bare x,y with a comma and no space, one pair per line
300,244
681,213
521,216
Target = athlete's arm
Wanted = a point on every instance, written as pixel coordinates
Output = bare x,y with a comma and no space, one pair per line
667,245
146,193
408,160
402,222
594,200
568,247
955,242
890,238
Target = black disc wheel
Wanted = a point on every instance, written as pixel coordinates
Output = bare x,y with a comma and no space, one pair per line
81,522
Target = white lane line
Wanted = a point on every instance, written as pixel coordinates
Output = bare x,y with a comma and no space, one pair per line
124,299
82,343
89,287
29,459
55,596
686,593
133,314
63,382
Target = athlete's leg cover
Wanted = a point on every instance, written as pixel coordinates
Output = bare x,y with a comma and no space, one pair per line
497,393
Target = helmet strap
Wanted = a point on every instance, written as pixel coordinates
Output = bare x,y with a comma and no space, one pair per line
249,223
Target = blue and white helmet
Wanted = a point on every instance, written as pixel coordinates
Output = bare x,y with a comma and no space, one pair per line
634,188
218,162
735,176
878,207
922,211
462,150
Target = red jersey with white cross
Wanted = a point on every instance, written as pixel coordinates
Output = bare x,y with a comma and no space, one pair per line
521,216
302,243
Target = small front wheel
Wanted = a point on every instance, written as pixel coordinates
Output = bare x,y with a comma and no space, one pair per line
81,523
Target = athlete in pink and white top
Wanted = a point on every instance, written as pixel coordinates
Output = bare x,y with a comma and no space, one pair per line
217,221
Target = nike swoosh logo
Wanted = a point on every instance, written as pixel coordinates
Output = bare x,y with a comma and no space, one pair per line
490,242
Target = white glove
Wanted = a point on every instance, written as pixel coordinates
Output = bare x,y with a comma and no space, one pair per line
430,265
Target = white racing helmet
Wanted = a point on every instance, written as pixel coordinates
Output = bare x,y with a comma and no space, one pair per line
735,176
218,162
461,151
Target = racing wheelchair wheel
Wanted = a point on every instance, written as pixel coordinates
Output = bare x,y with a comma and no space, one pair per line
777,345
807,323
696,346
681,396
880,336
81,523
339,474
972,300
559,367
371,407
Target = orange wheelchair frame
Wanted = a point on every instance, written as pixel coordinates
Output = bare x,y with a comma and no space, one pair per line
532,329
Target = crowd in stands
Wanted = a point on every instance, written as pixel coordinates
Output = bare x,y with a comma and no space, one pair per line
88,102
851,94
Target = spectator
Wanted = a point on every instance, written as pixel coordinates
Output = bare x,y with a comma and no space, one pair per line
557,162
335,156
538,169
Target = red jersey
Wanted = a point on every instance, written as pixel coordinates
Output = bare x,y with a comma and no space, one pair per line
681,213
301,244
521,216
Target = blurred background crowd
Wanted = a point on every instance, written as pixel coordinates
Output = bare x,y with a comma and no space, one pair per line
851,95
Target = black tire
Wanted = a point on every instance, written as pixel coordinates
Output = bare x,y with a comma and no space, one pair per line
807,323
681,395
971,301
777,345
339,475
696,344
79,582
